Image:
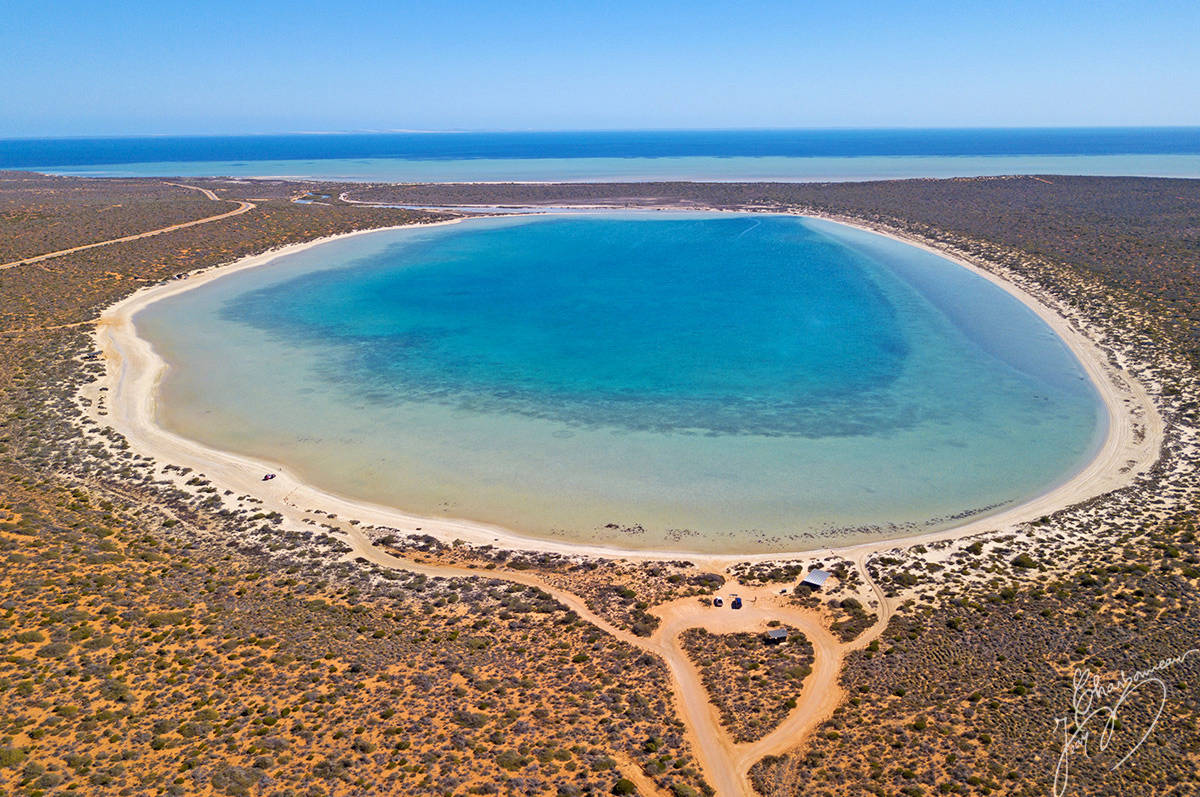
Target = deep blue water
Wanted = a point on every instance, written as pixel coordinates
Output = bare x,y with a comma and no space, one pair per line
25,153
658,327
853,154
718,381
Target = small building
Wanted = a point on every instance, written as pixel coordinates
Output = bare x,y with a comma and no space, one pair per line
815,579
736,603
776,636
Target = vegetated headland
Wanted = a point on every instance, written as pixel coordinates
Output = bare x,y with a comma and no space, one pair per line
165,633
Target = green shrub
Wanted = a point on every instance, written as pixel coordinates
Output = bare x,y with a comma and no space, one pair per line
511,760
11,756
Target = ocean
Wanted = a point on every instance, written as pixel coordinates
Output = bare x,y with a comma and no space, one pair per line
695,382
821,155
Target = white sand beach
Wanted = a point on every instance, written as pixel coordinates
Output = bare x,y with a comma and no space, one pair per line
126,399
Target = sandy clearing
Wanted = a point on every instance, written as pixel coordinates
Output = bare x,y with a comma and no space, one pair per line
725,763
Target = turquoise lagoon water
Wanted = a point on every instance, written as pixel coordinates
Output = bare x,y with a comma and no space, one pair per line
701,382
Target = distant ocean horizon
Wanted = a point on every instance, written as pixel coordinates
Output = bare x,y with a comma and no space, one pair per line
722,155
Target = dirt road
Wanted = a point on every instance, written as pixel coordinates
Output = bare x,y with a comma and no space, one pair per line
242,207
725,764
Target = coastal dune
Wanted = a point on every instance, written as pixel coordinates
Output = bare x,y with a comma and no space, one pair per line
134,373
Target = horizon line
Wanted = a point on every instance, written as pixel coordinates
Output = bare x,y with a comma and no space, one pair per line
548,130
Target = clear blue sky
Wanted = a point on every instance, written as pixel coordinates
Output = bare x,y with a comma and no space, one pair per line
76,67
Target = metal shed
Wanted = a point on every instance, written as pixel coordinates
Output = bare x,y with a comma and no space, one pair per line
815,579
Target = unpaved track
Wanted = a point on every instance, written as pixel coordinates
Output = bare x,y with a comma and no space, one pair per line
725,764
1132,446
242,207
52,328
207,192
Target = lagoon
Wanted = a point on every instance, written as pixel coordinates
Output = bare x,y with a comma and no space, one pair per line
696,382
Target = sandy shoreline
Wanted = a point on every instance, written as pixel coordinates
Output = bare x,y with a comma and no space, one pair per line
134,372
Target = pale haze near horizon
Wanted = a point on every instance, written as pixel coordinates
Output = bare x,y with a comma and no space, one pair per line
78,69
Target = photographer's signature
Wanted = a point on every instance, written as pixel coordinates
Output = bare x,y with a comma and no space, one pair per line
1095,705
